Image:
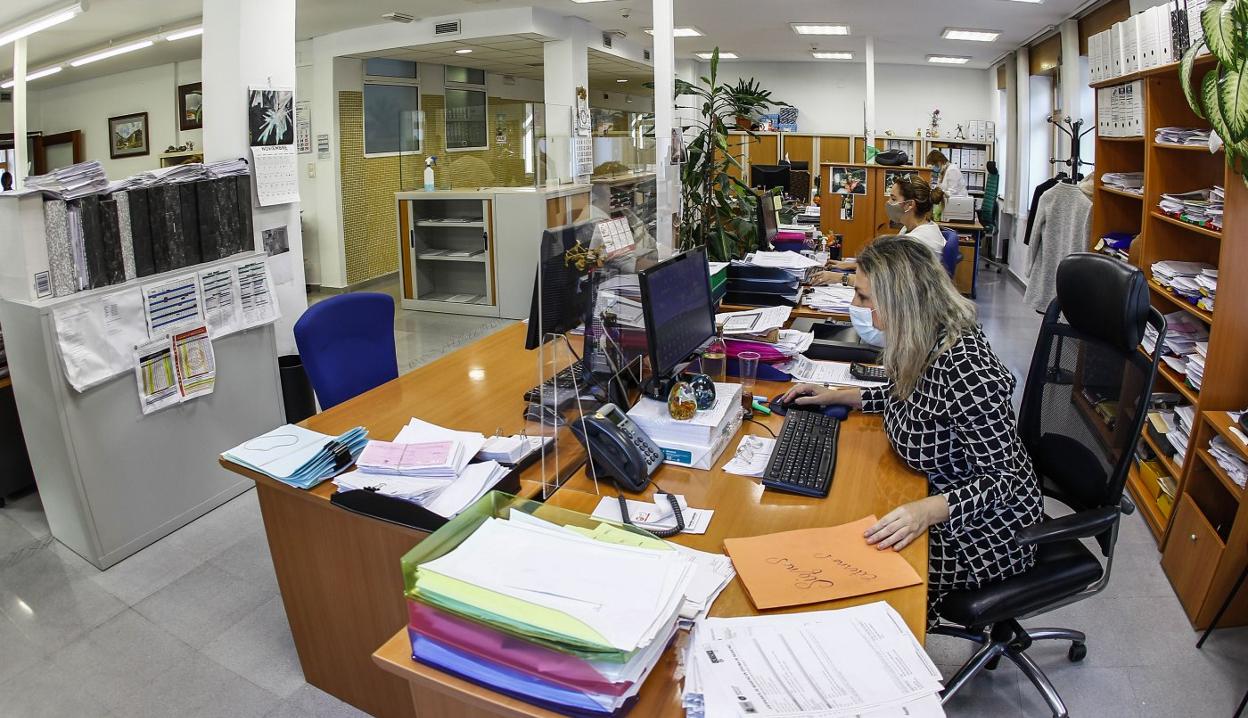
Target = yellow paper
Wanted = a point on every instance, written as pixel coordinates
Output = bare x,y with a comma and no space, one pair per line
794,568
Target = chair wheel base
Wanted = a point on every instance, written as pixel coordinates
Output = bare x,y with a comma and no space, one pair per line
992,665
1077,652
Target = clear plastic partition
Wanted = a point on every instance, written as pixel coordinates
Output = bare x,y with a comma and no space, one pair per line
586,333
474,142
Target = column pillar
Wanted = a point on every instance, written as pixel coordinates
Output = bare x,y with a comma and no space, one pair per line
19,113
869,119
668,186
252,44
566,67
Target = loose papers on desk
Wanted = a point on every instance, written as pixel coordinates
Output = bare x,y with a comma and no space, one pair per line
431,460
832,373
753,321
297,456
861,661
834,299
655,515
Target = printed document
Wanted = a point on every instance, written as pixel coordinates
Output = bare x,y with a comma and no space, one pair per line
257,303
172,306
656,515
220,293
156,376
195,362
825,372
97,336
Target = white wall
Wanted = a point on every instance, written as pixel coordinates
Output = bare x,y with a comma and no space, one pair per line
830,95
87,105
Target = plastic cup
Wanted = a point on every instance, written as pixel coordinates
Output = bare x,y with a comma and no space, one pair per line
747,363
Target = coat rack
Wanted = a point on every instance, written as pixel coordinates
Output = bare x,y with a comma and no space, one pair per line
1074,130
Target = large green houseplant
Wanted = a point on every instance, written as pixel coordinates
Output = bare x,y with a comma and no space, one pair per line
718,208
1222,95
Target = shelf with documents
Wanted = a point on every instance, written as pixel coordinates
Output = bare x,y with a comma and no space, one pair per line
1175,470
1201,314
1221,423
1202,545
1187,225
1121,193
1122,139
1212,464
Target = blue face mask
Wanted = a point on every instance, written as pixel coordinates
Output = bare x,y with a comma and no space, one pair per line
861,317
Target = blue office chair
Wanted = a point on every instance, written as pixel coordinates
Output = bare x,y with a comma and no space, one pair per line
347,345
952,253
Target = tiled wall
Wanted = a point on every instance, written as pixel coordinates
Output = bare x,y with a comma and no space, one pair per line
369,184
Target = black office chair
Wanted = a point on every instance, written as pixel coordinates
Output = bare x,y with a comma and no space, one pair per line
1084,405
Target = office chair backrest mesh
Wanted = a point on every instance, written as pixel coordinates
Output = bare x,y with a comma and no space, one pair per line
1088,388
988,210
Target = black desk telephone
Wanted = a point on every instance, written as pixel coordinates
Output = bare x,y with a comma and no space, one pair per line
620,451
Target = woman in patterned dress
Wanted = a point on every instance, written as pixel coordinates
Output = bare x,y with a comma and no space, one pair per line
947,413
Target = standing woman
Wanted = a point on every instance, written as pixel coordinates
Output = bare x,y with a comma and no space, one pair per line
948,413
948,176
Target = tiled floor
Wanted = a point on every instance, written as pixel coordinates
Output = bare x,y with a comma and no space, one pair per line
194,626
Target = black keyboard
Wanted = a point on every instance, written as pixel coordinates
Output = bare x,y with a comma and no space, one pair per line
567,380
805,455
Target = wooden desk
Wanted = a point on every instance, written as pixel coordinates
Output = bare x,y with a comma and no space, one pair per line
339,571
869,479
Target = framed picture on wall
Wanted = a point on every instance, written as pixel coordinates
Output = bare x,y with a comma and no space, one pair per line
127,136
191,106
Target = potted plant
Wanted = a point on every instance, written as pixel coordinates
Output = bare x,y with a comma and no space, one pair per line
1222,94
718,208
749,99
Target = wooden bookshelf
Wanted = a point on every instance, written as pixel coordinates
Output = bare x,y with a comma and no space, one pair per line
1208,526
1122,193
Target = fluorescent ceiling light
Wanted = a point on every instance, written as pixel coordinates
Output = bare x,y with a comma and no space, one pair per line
814,28
585,1
948,59
111,52
954,33
621,80
34,75
41,23
722,55
1031,2
183,34
833,55
680,32
463,51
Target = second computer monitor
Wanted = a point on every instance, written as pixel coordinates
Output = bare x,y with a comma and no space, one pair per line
769,177
676,304
768,218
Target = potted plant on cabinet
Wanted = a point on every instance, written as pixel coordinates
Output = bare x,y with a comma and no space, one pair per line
749,99
1222,95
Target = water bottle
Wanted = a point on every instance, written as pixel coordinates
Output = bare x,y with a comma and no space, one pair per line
715,359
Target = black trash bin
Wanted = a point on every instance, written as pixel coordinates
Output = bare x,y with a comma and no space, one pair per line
297,396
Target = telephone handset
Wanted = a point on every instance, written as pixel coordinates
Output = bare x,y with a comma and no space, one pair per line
620,451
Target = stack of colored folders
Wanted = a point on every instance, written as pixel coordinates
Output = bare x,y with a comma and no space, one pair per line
545,605
298,456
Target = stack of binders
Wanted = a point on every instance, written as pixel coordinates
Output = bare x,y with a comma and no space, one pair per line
548,606
297,456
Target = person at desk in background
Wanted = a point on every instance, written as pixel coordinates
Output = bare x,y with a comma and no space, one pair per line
948,414
948,176
910,202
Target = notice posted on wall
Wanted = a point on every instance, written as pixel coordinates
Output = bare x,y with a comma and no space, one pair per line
220,291
172,306
257,303
97,336
156,376
277,174
195,363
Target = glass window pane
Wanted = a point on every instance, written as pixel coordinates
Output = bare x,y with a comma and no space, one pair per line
385,67
465,119
465,75
385,130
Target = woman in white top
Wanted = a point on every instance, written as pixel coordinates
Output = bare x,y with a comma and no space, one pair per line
949,176
909,204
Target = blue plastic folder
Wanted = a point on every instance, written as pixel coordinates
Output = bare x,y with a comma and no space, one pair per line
513,683
298,456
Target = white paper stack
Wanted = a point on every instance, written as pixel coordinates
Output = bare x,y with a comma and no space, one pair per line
796,265
70,182
428,460
753,321
1180,435
1182,136
1203,207
831,373
653,418
1230,460
227,168
833,299
1167,271
1125,181
773,666
1187,338
511,449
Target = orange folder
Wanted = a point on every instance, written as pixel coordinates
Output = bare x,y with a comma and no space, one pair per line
793,568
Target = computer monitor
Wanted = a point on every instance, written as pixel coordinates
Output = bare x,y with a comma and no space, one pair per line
560,292
677,310
768,218
768,177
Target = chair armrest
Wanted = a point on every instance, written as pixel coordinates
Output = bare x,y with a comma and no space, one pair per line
1084,524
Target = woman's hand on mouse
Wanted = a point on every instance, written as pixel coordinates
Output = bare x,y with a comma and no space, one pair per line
808,394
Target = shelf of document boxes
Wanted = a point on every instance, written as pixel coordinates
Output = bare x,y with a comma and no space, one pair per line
1204,62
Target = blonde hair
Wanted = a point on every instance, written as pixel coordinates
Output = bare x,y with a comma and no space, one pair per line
917,301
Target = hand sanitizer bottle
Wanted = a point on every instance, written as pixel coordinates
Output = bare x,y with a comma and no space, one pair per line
429,179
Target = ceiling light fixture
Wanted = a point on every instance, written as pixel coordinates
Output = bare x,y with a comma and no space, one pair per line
587,1
680,32
621,80
833,55
397,17
463,51
958,33
183,34
34,75
948,59
722,55
111,52
43,22
815,28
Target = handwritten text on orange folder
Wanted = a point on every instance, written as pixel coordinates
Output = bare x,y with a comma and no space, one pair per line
792,568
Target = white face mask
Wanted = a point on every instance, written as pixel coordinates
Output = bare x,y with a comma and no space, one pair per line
861,317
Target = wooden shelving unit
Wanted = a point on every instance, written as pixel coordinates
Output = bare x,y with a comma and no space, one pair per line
1204,540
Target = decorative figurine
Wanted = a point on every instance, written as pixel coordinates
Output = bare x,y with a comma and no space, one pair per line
681,402
960,135
703,390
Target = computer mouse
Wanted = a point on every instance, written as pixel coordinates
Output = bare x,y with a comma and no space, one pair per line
780,408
